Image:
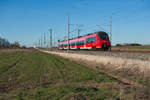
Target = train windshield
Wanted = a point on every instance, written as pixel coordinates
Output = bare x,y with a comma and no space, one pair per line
103,36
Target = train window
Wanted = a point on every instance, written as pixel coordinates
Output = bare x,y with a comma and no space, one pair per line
87,40
94,39
80,43
66,45
103,36
73,44
90,40
77,43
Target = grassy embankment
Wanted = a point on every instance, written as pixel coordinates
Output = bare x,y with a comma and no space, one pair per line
38,76
132,48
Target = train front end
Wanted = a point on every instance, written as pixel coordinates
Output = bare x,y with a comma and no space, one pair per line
104,41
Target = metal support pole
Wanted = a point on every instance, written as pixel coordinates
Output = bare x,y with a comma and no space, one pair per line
41,42
78,32
68,26
110,30
51,41
44,41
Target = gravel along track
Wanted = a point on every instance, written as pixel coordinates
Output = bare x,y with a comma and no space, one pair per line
144,56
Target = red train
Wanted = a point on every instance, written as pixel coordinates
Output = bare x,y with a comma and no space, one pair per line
97,40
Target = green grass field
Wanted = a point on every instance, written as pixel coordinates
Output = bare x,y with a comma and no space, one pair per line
33,75
8,60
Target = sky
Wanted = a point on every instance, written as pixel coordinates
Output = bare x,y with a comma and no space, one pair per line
27,20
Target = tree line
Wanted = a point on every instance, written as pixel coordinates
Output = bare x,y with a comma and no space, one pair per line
4,43
128,44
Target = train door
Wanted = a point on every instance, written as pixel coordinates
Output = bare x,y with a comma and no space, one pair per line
87,43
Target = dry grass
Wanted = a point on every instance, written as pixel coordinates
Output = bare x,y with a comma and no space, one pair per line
115,62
